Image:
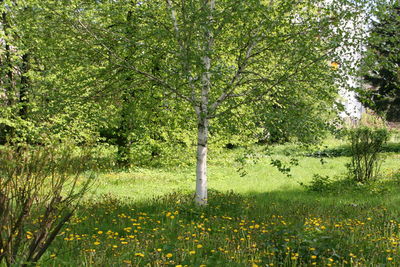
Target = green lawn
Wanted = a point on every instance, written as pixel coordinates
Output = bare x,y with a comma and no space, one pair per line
140,184
145,217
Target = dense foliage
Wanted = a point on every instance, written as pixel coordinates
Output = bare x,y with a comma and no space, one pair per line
97,72
381,63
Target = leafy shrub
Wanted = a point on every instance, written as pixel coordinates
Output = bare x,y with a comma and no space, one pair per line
39,191
319,183
366,145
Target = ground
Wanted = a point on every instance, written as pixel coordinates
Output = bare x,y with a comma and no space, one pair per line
146,217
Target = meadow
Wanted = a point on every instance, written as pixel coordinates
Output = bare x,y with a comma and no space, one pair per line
146,217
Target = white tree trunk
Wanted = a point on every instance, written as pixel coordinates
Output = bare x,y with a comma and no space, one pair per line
201,168
202,111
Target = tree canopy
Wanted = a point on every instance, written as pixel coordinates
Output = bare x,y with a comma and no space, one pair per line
381,70
150,76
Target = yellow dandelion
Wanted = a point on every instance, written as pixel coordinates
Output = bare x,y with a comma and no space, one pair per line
169,255
335,65
199,246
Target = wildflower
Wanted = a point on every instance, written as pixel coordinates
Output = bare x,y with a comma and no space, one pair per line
29,235
199,246
96,243
169,255
139,254
192,252
389,258
335,65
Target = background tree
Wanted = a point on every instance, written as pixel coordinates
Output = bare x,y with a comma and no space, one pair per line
15,64
381,66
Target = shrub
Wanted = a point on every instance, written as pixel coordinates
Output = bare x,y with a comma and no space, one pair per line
366,145
319,183
39,191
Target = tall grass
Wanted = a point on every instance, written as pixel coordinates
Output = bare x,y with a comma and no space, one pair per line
262,219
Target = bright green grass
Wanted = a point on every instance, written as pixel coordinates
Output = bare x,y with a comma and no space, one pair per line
140,184
270,220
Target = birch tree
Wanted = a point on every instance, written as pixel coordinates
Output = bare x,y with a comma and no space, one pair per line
220,56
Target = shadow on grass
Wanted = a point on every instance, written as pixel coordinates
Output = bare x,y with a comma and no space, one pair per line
231,229
295,204
344,151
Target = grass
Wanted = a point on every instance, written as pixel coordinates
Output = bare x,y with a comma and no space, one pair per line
141,184
261,219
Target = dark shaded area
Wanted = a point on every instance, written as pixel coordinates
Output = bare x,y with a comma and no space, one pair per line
345,151
381,71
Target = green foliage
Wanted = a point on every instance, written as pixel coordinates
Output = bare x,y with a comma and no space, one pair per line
366,145
115,72
381,63
319,183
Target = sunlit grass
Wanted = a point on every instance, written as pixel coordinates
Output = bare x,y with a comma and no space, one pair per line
270,220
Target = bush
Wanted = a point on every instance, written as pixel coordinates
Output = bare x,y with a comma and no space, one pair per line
366,145
39,191
319,183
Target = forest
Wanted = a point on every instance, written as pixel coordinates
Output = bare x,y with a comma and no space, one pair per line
199,133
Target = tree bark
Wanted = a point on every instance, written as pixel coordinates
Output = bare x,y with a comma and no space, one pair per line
25,84
9,77
201,168
203,110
